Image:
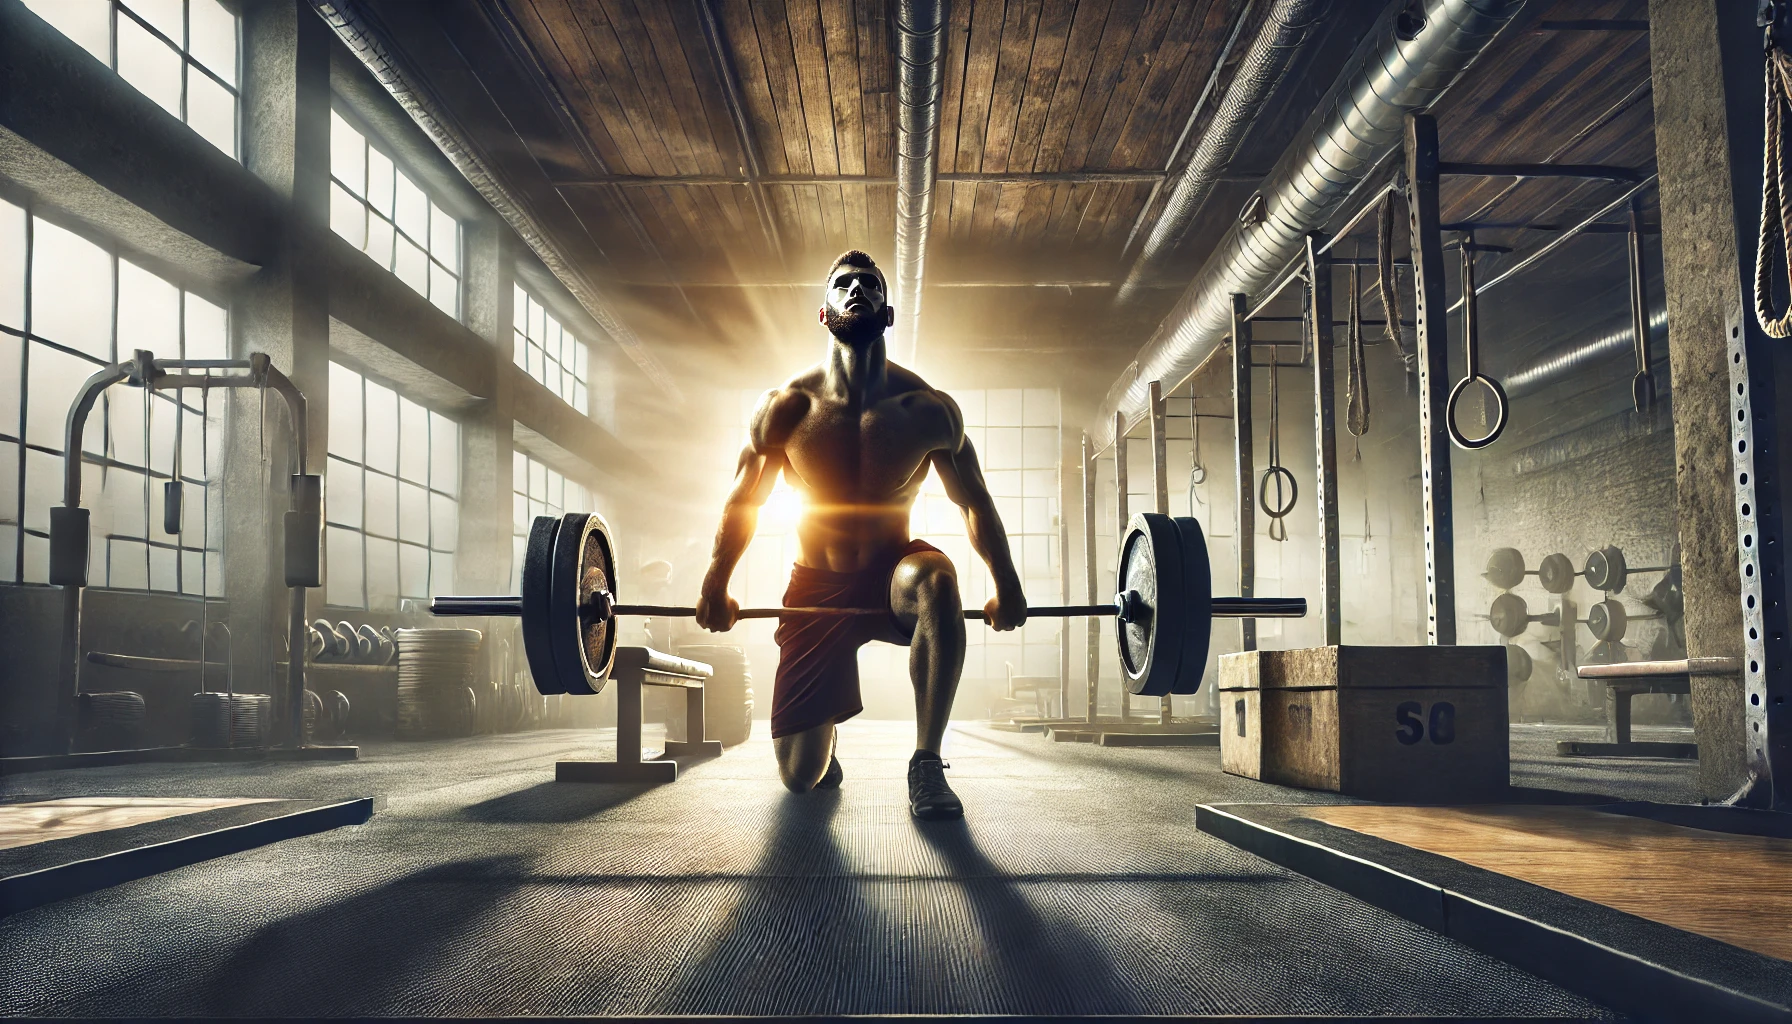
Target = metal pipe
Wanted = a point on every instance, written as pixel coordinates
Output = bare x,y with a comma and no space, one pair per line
1325,438
920,26
1364,125
1160,493
1093,662
1285,30
1121,515
1244,467
1560,240
1562,362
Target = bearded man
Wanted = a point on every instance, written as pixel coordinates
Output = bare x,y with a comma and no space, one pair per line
855,435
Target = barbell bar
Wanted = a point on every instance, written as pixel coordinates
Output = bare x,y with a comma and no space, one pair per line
1223,608
1164,611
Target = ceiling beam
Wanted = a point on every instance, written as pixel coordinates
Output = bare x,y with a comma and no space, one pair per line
1019,178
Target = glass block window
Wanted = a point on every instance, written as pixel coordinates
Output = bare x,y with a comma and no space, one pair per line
181,53
84,308
538,490
391,496
1016,433
550,353
381,211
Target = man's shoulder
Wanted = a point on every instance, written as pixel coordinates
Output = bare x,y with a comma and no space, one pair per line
782,407
907,387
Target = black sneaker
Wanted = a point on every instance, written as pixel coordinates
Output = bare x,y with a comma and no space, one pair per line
929,797
831,778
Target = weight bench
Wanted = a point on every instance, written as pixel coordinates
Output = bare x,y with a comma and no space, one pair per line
634,668
1625,680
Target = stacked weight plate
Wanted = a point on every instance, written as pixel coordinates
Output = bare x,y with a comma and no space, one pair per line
435,682
113,720
231,719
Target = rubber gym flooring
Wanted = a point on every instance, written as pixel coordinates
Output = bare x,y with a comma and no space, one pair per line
1077,884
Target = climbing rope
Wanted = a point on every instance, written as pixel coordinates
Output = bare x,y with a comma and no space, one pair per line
1776,197
1275,471
1389,285
1356,380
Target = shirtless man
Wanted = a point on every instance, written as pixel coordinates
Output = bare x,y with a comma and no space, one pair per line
856,435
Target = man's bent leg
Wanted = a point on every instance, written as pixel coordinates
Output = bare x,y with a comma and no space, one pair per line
924,597
803,757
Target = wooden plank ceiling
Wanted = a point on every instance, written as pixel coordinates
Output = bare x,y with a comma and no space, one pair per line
705,177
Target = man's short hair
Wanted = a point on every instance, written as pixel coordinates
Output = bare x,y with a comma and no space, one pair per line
855,258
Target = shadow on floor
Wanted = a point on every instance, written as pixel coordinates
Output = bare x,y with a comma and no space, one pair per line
1043,962
552,803
362,951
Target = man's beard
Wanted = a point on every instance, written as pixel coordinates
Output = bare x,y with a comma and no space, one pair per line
855,328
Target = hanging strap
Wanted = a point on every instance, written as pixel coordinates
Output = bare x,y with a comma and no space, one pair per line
1356,382
1389,285
1776,203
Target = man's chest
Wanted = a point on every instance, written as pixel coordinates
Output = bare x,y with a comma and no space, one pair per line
881,446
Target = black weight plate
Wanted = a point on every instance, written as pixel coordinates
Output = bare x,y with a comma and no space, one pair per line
584,644
1518,664
1510,615
1608,620
1556,573
1197,588
1151,644
1505,568
538,589
1605,569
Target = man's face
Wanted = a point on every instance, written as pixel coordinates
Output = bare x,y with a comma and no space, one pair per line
856,307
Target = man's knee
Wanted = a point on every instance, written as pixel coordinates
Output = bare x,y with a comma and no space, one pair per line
803,757
934,581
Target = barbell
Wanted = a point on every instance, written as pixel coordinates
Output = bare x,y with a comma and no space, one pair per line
1164,610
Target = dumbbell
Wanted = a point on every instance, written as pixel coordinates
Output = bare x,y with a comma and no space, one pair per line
1505,570
1608,620
1605,569
1510,615
1518,664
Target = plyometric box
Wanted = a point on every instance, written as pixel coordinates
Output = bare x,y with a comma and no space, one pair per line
1383,723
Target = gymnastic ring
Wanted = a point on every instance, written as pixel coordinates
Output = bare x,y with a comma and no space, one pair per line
1500,404
1274,472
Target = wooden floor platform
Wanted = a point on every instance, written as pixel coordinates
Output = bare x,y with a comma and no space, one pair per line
1653,918
42,820
1654,870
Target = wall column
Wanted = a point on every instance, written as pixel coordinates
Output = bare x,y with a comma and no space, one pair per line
1706,72
283,310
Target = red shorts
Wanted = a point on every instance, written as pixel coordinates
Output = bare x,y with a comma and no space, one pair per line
818,657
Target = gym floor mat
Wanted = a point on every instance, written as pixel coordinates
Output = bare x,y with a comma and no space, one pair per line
1077,885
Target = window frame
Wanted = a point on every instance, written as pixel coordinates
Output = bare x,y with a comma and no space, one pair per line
371,142
431,492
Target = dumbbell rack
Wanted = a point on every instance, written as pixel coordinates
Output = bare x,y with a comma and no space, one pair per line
1605,570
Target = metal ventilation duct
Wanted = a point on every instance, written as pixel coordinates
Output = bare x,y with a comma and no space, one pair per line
346,19
1284,31
1556,365
1397,76
920,26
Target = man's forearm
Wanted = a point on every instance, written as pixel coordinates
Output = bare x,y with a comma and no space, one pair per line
732,537
990,540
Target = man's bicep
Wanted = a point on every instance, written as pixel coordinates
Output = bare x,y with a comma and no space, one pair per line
961,475
755,476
